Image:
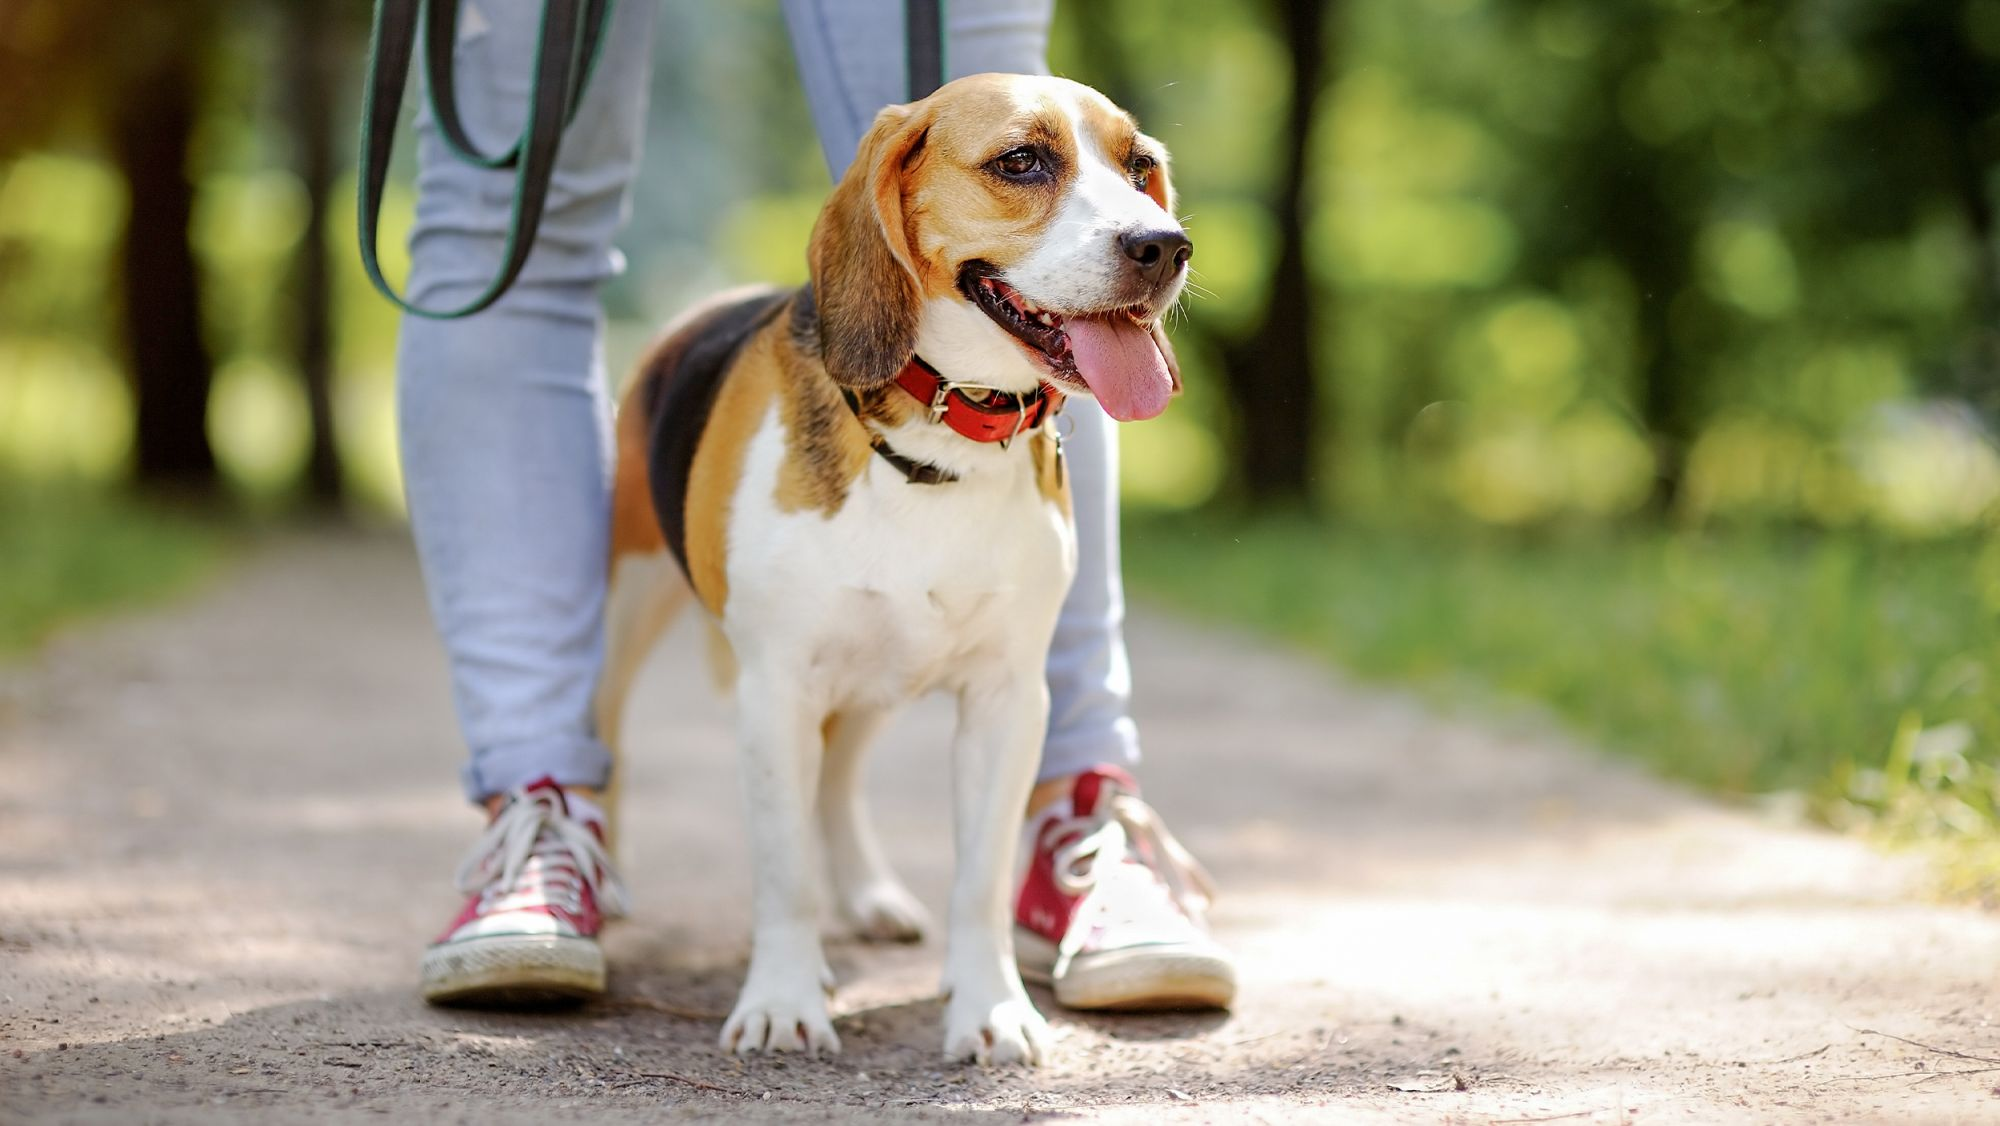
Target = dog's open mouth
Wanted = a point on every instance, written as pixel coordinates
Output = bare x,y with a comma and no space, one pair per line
1110,355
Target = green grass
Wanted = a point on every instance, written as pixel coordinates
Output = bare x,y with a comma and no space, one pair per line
69,554
1857,672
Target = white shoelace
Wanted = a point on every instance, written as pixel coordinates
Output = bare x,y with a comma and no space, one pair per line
533,840
1103,842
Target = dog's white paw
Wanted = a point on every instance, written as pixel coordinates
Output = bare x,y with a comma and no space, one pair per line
787,1015
994,1032
885,911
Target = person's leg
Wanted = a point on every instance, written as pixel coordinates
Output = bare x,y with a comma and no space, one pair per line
851,60
1090,680
504,415
504,421
1129,933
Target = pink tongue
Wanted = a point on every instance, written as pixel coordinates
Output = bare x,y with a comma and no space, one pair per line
1122,365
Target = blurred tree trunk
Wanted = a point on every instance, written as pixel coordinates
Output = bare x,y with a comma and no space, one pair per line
1641,205
1965,135
153,124
313,49
1270,372
1653,241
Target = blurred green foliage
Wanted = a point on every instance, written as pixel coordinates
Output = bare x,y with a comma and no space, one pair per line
67,554
1856,674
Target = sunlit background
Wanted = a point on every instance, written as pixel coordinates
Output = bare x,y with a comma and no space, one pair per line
1633,357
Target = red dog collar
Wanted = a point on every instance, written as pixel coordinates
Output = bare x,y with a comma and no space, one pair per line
996,418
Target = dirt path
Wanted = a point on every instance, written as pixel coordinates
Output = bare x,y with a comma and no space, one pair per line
226,830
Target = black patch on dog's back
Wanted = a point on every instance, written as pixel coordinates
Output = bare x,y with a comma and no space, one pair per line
689,371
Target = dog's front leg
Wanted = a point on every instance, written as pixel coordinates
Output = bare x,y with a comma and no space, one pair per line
783,1004
1001,721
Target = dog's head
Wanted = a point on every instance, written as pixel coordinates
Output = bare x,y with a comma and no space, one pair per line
1013,229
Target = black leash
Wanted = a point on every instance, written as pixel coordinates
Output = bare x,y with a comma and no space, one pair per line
571,40
572,34
923,46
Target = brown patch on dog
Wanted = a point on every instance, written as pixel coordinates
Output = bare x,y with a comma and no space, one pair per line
825,446
741,404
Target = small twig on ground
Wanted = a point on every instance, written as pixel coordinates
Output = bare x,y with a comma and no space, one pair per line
1927,1075
692,1082
1251,1040
1928,1047
1819,1051
1960,1071
1544,1118
672,1010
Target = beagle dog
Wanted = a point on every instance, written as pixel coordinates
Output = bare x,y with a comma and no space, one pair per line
861,483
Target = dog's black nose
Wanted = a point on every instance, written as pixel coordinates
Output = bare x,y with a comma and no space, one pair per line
1158,254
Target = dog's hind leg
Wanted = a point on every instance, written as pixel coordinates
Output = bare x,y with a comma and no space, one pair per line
870,897
645,587
646,592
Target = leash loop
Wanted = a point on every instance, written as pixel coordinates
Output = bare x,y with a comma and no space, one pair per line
441,39
569,42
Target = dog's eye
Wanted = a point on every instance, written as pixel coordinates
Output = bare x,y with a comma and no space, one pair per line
1140,169
1018,164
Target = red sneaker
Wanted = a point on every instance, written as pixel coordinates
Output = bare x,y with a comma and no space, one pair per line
541,886
1110,911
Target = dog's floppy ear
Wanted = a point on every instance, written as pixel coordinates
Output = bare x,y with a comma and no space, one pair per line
863,274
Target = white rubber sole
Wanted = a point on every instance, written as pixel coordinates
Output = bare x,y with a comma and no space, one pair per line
513,970
1134,979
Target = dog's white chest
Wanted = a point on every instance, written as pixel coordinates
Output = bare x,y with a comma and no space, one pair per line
906,587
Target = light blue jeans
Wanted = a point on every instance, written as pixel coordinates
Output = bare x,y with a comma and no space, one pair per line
505,417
